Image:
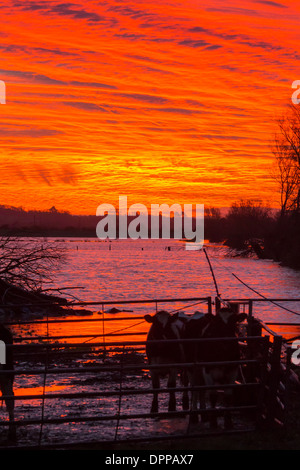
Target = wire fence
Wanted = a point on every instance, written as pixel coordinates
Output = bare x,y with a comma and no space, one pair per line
115,377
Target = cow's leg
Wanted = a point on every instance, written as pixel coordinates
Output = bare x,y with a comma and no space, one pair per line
172,384
213,402
155,386
184,380
228,398
227,414
185,395
210,380
194,399
202,398
6,386
194,415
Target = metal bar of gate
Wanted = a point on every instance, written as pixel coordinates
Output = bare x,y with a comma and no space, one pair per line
169,414
75,395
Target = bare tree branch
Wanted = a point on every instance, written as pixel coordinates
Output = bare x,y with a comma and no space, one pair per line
286,150
29,264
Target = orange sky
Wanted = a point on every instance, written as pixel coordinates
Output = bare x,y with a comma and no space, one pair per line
162,101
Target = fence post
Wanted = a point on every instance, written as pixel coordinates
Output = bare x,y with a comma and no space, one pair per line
263,380
209,305
121,393
250,318
217,304
274,379
287,384
250,313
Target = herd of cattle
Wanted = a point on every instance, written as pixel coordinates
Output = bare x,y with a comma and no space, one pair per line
215,354
168,358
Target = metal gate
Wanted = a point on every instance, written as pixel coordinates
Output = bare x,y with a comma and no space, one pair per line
94,386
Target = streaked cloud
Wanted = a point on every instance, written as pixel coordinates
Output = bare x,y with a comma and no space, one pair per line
272,4
164,101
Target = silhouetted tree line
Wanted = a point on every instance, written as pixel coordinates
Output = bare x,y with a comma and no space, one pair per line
16,221
248,226
251,228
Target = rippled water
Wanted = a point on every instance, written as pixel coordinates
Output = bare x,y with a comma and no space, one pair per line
147,269
119,271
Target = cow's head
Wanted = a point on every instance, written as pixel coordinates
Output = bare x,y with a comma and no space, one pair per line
197,324
161,318
230,318
228,315
167,325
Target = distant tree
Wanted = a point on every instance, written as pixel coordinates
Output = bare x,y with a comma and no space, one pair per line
213,224
249,209
247,220
286,149
29,263
212,212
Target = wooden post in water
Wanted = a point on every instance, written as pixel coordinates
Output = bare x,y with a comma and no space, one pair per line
103,333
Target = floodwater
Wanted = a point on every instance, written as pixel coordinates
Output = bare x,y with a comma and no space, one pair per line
122,271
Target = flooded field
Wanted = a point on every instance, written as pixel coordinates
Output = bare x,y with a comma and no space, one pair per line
101,351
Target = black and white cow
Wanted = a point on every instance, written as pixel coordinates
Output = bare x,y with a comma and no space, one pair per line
195,328
222,325
165,326
7,379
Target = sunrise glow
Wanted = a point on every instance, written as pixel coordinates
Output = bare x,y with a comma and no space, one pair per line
161,101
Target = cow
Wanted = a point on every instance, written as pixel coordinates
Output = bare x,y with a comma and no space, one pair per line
165,326
7,379
194,329
208,326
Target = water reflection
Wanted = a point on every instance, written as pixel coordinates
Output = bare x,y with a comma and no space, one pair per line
145,269
128,272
